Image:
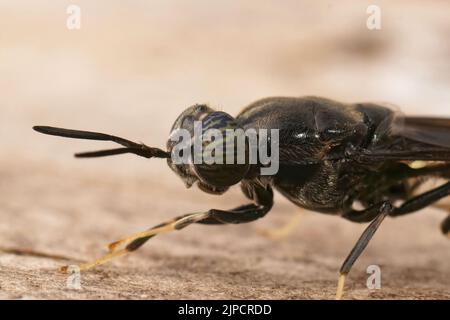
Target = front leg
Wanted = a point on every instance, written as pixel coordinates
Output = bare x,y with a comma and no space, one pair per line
243,214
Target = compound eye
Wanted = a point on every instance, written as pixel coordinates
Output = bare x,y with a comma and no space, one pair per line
220,144
221,175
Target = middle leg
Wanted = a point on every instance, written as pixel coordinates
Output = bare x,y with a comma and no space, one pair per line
380,211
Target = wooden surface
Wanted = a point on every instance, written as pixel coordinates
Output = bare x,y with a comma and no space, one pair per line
130,71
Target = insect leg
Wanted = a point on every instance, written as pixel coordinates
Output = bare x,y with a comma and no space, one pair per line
382,211
122,247
285,230
242,214
365,215
414,204
423,200
132,241
445,226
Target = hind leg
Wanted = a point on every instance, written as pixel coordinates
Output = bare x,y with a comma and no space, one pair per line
281,233
376,214
445,226
441,171
423,200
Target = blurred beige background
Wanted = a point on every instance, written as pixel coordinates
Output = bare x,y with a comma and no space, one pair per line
130,70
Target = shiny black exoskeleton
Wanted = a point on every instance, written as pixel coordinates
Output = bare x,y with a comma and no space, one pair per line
333,158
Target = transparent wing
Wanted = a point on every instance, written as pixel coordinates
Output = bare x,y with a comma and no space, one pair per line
432,131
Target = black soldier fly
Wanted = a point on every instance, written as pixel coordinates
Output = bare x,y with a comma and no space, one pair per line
332,157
